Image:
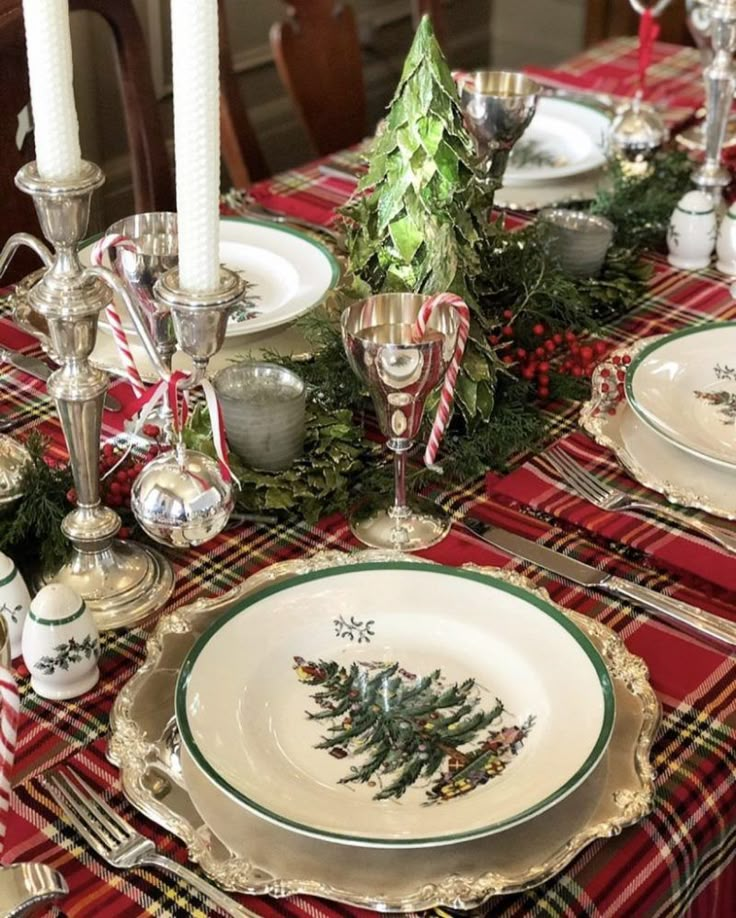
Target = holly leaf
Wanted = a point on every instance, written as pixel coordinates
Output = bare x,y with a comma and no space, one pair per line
466,395
476,365
485,400
406,236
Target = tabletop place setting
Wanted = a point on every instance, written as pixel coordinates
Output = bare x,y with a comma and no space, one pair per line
368,530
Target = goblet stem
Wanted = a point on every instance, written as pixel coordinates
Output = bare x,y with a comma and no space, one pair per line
497,167
400,508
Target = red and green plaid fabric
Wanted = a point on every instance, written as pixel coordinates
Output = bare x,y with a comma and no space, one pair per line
674,79
678,861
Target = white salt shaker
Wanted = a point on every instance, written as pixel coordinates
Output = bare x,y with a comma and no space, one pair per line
61,644
691,234
15,601
726,243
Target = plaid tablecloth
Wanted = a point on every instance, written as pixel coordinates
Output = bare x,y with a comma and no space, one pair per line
680,860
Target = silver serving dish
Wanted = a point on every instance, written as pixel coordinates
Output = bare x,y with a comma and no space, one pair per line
144,744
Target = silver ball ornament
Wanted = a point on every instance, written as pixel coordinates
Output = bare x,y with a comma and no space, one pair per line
635,135
181,498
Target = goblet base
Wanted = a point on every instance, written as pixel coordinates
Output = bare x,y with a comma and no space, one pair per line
419,525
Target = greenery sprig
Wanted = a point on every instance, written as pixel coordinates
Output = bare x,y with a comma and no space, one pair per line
327,479
32,528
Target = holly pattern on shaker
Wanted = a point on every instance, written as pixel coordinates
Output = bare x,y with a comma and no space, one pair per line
13,613
406,728
71,651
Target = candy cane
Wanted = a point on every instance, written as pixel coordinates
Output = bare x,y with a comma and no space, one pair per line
118,332
448,389
9,717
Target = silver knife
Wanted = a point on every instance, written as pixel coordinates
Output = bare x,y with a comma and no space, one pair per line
700,622
40,370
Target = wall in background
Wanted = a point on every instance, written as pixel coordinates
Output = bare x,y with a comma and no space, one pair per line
480,33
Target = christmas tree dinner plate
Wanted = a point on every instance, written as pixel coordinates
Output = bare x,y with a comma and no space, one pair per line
395,705
564,139
683,386
289,271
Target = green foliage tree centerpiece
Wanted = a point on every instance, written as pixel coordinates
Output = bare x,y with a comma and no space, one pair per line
419,221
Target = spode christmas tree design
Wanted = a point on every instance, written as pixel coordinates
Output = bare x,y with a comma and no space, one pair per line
404,728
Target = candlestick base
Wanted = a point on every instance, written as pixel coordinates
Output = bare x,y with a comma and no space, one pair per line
122,584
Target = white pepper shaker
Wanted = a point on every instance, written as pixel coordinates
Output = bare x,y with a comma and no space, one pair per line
61,644
15,600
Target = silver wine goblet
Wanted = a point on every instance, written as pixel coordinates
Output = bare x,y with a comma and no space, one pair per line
157,250
156,240
498,106
400,373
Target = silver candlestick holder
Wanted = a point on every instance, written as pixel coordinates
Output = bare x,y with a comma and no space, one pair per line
720,83
121,582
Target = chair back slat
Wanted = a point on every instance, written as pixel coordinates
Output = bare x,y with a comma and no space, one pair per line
317,53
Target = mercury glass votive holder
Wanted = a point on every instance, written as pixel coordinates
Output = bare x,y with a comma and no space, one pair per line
579,241
263,406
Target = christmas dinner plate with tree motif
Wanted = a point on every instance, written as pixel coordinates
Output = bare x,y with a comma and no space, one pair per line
395,705
683,386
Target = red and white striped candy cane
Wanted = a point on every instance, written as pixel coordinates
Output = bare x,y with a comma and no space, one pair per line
448,388
118,332
9,716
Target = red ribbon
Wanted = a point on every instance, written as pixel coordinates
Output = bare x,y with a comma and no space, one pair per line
648,34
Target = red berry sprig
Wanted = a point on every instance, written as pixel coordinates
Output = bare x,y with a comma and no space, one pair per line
547,352
612,377
116,487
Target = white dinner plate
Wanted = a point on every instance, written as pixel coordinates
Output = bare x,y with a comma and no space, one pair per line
391,705
290,273
652,460
564,139
684,387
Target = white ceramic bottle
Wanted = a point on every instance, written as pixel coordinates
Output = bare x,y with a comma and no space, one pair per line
726,244
691,234
15,601
61,644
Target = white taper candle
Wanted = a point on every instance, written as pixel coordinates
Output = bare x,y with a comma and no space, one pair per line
56,128
195,49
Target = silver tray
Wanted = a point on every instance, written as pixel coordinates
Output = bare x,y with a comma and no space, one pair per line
281,863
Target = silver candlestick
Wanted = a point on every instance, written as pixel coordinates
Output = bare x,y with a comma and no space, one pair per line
720,83
121,582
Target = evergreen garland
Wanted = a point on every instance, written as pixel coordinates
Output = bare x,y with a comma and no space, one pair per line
33,526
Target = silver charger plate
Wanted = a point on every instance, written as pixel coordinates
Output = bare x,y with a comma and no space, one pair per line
274,861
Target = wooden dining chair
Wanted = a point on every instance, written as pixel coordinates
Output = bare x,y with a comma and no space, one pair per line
318,57
153,184
16,139
241,151
607,18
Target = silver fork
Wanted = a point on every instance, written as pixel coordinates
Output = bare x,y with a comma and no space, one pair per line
118,843
597,492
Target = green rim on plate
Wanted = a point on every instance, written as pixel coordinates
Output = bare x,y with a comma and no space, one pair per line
306,237
333,263
581,639
636,364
